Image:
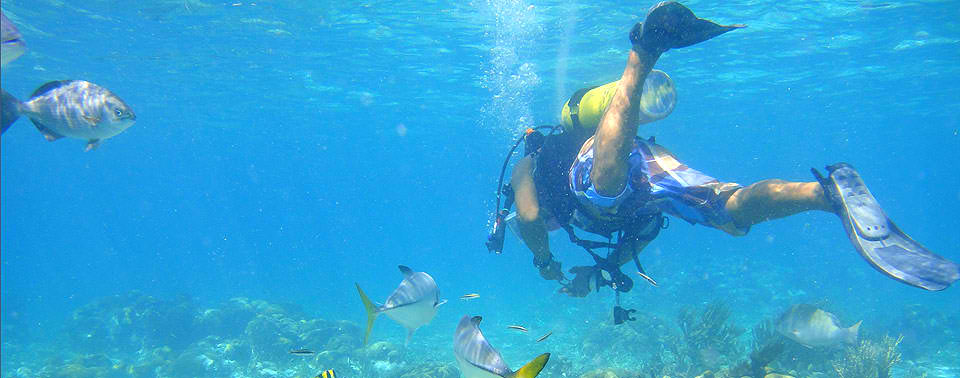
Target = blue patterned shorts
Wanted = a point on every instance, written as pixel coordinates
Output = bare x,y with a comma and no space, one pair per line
675,188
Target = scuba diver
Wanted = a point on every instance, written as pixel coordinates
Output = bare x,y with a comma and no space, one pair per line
595,174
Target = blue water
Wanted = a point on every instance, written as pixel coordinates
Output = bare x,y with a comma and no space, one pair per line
285,150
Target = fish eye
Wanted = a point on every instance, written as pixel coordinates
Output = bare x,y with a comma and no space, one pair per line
118,112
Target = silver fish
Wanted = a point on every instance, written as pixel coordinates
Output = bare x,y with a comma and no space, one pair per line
478,359
413,304
813,327
71,108
12,43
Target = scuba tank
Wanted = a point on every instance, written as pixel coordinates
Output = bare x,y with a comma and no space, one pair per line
586,106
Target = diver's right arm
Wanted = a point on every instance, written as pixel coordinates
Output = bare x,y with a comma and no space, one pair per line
531,225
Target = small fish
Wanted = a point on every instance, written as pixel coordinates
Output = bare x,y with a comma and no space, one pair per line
544,337
813,327
649,279
326,374
302,352
470,296
518,328
71,108
413,304
478,359
13,45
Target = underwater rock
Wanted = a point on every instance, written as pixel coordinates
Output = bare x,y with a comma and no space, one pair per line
271,337
135,335
604,373
433,370
558,367
131,321
925,330
234,350
381,359
618,346
229,320
200,360
382,350
80,371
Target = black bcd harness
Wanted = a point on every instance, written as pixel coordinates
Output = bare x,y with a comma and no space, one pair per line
628,234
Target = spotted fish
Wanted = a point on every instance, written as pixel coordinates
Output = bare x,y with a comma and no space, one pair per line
413,304
478,359
813,327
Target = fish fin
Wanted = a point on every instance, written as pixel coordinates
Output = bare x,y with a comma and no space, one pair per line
49,86
532,368
372,313
440,303
10,109
476,320
407,272
93,121
92,144
851,337
409,336
48,134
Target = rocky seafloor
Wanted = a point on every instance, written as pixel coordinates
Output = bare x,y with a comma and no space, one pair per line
137,335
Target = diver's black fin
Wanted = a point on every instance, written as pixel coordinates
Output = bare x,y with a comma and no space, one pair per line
9,110
670,25
877,238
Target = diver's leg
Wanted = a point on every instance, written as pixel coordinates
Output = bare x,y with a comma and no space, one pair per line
531,223
618,126
773,199
667,25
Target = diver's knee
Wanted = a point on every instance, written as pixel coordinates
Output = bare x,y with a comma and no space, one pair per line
608,178
528,214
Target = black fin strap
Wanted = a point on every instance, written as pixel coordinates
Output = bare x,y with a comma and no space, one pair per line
573,105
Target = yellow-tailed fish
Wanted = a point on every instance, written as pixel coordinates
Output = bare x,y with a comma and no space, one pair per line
413,304
478,359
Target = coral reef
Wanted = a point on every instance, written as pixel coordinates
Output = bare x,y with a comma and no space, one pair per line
605,373
136,335
869,359
132,321
925,330
708,340
767,346
433,370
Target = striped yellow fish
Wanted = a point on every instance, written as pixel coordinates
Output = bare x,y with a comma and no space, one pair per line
327,374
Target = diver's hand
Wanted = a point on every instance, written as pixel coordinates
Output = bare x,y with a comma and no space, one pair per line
551,270
580,286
